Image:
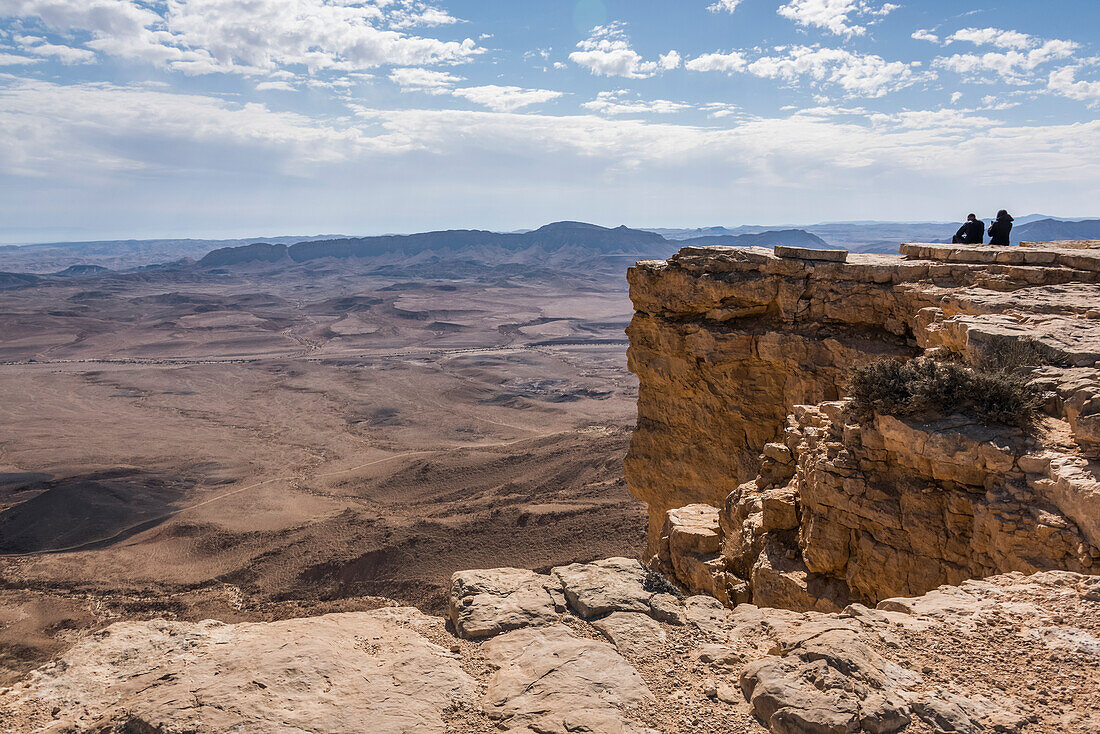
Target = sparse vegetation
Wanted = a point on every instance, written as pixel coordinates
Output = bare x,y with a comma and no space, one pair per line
1009,355
656,583
926,388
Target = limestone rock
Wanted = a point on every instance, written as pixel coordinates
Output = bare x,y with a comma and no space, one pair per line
708,614
827,680
397,670
779,508
949,712
605,586
487,602
734,348
667,608
779,581
632,633
689,552
551,682
354,672
807,253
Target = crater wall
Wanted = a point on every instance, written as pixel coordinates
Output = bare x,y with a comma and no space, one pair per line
743,357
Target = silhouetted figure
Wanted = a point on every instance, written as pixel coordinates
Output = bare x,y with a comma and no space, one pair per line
970,233
998,231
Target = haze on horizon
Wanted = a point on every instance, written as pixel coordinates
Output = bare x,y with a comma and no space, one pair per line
224,118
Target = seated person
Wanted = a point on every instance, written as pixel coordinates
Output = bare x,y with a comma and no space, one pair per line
970,233
1000,229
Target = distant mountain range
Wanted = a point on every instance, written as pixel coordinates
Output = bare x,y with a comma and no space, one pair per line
557,245
540,246
789,237
1050,230
50,257
884,237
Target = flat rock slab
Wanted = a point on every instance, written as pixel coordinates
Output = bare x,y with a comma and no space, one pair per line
550,682
601,587
355,672
632,633
807,253
486,602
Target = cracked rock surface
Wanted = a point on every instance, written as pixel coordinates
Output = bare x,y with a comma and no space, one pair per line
1011,653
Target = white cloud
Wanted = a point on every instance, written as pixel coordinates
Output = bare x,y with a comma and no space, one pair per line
724,6
268,34
731,62
421,15
505,99
955,97
1064,82
65,54
922,34
834,15
424,80
16,60
670,61
1015,67
275,86
607,52
98,128
993,37
720,109
495,97
942,121
253,36
858,74
107,132
794,149
614,103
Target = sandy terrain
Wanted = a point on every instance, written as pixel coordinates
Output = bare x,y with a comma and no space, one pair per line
259,445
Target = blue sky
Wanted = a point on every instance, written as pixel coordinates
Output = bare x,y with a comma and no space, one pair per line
212,118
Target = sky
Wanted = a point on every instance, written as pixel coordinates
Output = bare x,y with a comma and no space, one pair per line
227,118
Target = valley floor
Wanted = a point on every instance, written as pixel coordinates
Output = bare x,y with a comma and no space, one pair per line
261,446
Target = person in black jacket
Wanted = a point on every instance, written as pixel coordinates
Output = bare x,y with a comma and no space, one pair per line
998,231
970,233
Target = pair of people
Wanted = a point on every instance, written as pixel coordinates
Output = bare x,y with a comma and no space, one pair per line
971,233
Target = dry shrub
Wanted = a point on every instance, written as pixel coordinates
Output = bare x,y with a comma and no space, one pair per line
1009,355
925,388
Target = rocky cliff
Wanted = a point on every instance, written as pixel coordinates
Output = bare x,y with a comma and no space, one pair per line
763,486
596,648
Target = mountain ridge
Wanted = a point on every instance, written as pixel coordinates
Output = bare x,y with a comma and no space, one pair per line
538,244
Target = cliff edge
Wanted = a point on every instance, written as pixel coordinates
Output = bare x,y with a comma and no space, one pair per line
763,486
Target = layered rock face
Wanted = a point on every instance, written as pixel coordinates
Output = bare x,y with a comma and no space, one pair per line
761,487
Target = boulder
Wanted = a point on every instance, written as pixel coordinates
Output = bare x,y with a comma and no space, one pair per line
632,633
827,680
605,586
486,602
550,682
353,672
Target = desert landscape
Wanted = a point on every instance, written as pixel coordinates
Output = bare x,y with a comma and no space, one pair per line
268,492
268,441
584,367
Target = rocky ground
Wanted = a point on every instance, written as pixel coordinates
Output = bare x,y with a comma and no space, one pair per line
598,647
